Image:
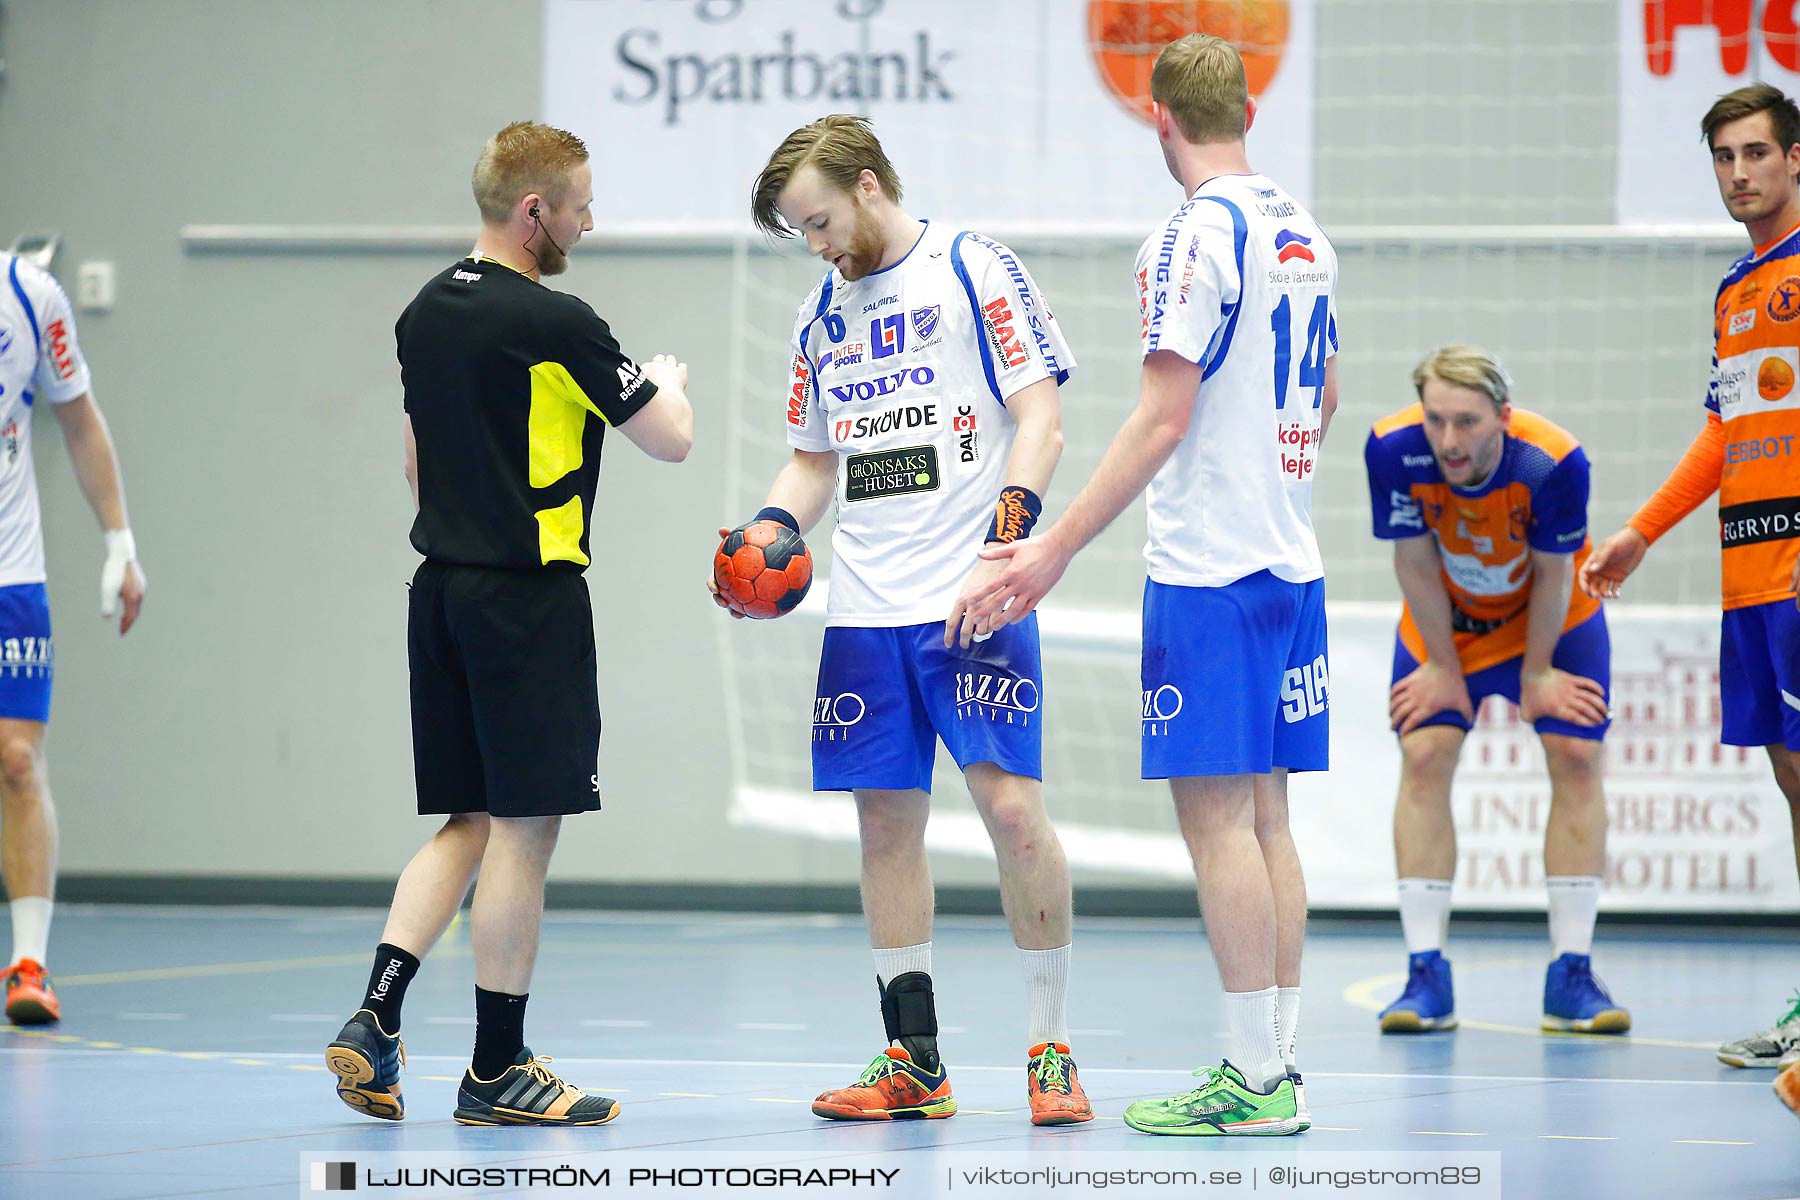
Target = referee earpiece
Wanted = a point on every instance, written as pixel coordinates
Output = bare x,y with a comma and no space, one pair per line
532,212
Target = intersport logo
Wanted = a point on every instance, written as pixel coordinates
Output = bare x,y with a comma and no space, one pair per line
883,385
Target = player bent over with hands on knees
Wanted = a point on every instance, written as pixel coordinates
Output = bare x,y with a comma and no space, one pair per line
923,402
1748,450
1486,505
1238,386
510,388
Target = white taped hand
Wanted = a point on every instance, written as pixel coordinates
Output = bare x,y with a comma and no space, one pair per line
121,552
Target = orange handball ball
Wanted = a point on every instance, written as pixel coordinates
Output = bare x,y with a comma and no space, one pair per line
763,570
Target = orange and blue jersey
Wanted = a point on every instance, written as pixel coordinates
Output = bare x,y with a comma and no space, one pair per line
1756,359
1536,499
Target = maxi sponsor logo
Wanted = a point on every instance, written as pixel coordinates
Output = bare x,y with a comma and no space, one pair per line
891,473
1028,304
799,391
883,385
59,349
997,315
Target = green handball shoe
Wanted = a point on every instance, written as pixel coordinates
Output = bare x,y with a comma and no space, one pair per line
1223,1105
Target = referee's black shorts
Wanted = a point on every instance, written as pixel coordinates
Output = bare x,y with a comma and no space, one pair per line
505,699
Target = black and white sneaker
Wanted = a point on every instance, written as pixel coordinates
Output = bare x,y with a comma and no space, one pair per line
529,1093
1766,1049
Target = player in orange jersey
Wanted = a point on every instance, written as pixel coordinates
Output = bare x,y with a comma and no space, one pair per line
1486,506
1747,452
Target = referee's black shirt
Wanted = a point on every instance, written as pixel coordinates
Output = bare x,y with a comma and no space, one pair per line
510,387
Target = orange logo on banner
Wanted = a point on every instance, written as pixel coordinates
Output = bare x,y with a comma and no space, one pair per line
1127,35
1732,20
1774,379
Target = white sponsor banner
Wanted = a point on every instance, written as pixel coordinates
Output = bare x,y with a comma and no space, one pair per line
1675,58
1693,825
996,115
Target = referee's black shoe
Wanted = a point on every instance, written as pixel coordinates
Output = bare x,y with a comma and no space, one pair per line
367,1062
529,1093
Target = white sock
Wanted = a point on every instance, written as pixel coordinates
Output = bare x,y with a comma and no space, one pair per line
31,928
898,960
1287,1018
1047,977
1574,902
1254,1048
1424,913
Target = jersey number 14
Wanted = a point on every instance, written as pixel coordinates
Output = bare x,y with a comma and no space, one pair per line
1312,363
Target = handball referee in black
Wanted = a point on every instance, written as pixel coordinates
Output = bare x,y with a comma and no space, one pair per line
510,388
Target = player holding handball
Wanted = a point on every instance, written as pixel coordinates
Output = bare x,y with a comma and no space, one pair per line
923,401
1486,505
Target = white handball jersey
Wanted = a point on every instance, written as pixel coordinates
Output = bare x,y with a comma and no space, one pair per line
906,373
39,360
1240,281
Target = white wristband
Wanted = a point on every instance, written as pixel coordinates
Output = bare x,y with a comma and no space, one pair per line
121,552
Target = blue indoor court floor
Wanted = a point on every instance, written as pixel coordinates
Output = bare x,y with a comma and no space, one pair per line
189,1061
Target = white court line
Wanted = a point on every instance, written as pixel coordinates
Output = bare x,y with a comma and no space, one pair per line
1514,1078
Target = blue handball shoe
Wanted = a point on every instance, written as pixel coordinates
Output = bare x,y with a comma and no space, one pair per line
1429,1001
1576,1002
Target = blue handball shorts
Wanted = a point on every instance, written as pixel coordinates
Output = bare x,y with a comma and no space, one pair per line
887,695
1235,678
1759,675
27,655
1585,650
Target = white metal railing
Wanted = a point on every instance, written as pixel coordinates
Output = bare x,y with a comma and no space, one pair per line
366,239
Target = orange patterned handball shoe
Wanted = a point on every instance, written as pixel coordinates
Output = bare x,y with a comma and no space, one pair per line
29,998
894,1088
1787,1086
1053,1087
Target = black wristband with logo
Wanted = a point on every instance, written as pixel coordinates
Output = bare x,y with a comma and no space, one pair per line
1015,512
